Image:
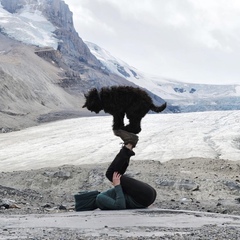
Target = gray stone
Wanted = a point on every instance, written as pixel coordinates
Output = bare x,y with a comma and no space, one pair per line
232,185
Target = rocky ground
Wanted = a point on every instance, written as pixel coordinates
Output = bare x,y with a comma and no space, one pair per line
205,185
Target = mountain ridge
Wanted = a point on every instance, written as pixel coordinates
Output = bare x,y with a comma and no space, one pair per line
56,60
46,68
181,96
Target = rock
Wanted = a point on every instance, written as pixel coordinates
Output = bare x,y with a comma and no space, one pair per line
14,206
187,184
62,174
6,201
58,174
238,200
5,206
61,207
183,184
12,6
95,177
165,182
232,185
46,206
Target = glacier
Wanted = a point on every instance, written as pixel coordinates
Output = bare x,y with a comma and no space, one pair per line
90,140
181,96
29,26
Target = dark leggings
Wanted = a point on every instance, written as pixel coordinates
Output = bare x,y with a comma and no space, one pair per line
141,192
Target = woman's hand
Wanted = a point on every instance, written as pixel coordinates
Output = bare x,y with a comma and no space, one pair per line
116,179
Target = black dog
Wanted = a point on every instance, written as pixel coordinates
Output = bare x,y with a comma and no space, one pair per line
118,101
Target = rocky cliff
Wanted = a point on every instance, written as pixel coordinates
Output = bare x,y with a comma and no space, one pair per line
58,13
42,83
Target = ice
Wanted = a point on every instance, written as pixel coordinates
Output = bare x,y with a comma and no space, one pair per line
90,140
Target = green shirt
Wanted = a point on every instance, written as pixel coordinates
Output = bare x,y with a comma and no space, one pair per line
115,199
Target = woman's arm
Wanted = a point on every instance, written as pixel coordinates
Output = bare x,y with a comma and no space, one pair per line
112,199
116,179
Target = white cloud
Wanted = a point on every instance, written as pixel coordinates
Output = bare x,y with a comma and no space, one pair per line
189,40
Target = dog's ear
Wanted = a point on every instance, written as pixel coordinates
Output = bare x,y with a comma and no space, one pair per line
95,91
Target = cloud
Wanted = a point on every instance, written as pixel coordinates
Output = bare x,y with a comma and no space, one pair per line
189,40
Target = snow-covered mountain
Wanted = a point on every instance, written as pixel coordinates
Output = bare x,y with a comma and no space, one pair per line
35,28
184,97
46,68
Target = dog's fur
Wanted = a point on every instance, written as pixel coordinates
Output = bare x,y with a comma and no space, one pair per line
121,100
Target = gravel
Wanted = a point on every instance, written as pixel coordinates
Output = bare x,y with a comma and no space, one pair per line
203,186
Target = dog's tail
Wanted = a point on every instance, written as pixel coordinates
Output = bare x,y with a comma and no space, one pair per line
158,108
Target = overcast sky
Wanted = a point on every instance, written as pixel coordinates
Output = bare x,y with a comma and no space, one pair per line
186,40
